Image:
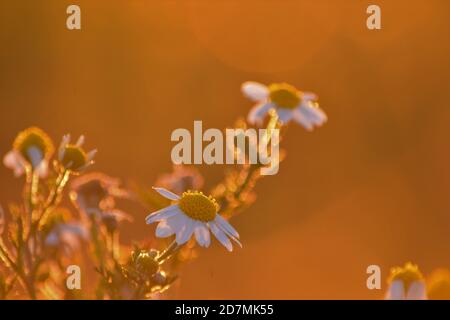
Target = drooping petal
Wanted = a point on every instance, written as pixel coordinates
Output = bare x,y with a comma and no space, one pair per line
226,226
163,230
302,120
309,116
166,193
177,221
202,234
14,161
185,233
396,291
417,291
315,114
230,236
309,96
254,90
258,112
221,236
42,169
35,155
284,115
163,214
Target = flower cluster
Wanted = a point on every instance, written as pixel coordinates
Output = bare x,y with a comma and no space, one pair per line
408,283
43,235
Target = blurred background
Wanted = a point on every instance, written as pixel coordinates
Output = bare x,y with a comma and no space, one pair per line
370,187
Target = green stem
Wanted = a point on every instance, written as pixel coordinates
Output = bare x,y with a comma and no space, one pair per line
55,194
168,252
26,282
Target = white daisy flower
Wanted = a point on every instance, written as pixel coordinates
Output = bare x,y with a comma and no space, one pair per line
192,213
32,149
73,157
288,102
406,283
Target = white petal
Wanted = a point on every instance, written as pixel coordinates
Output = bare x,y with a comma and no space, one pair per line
396,291
13,160
62,147
417,291
42,169
185,233
163,214
284,115
80,141
166,193
258,112
226,226
177,221
202,234
302,120
230,236
35,155
255,91
221,236
91,155
163,230
315,114
309,96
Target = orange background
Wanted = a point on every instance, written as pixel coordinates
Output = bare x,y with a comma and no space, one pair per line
370,187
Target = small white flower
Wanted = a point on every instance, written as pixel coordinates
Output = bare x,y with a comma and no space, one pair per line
406,283
193,213
288,102
14,161
32,149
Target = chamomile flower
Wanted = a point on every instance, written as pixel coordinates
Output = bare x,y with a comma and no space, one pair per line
288,102
192,213
406,283
32,148
73,157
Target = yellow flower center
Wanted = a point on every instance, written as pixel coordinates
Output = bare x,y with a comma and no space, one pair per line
33,137
198,206
408,274
74,158
284,95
